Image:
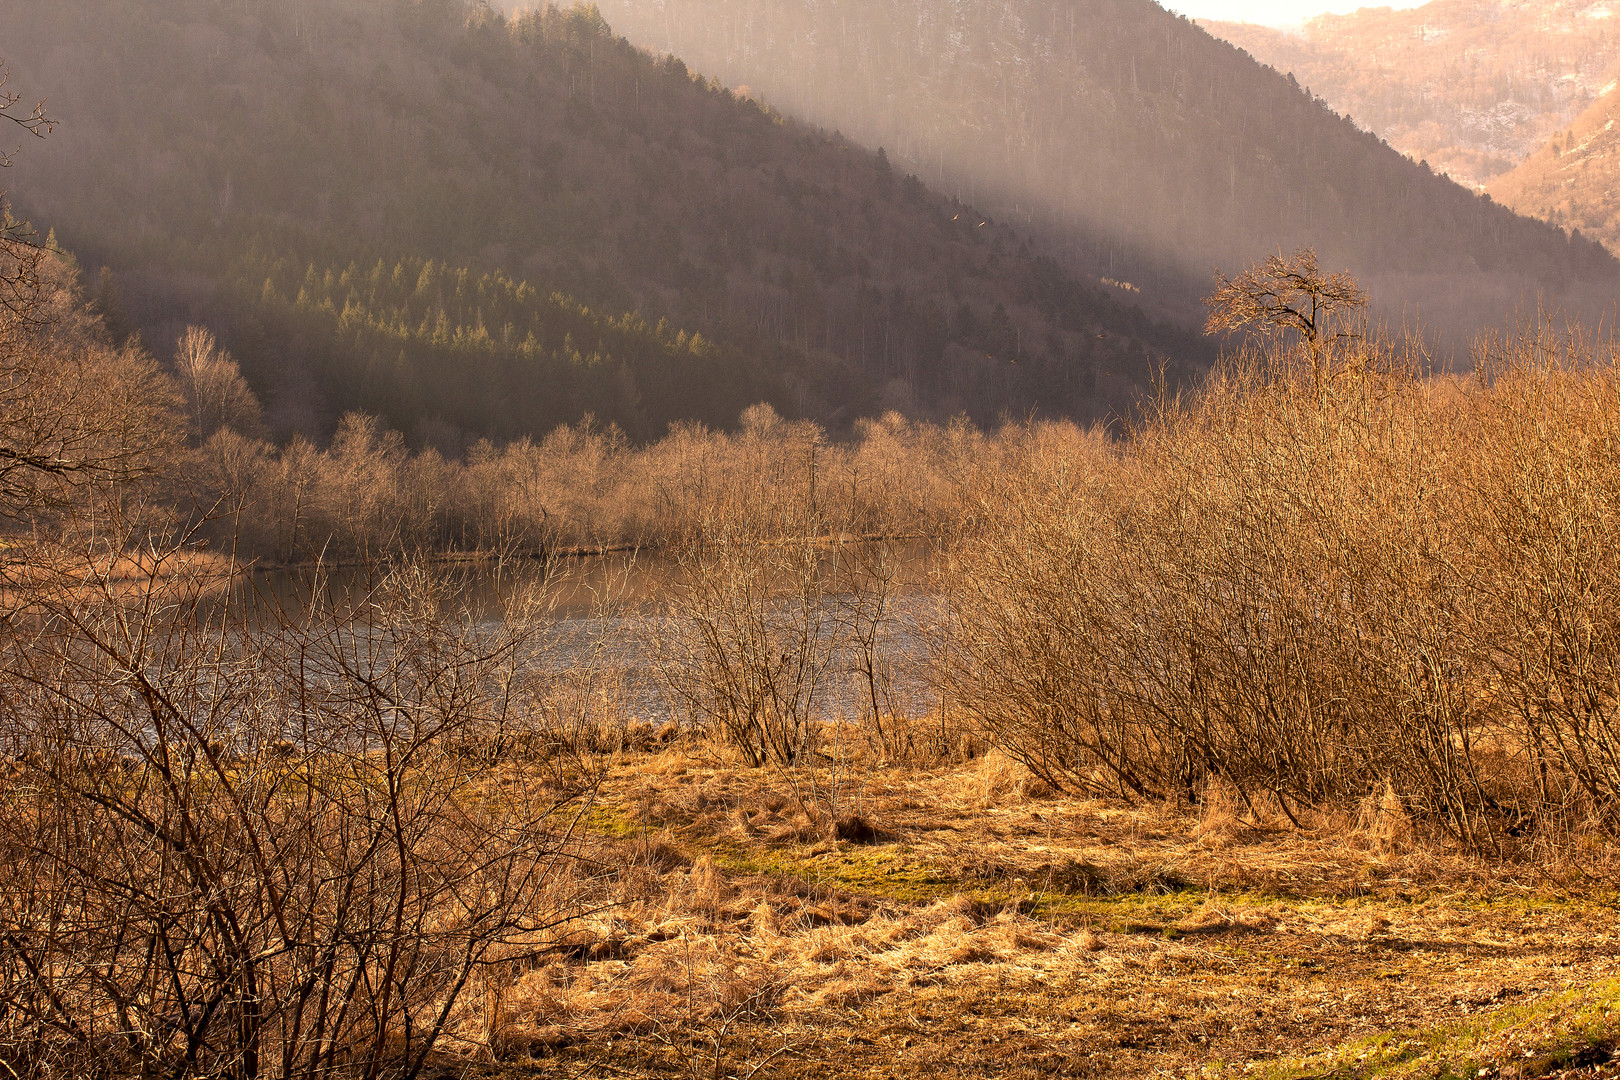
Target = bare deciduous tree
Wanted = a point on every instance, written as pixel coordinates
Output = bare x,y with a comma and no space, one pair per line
20,251
1287,293
216,394
77,415
74,411
33,121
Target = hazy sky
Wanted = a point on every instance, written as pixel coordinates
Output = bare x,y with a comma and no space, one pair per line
1274,12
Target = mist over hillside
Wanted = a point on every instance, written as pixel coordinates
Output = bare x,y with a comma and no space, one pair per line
1513,96
481,227
1155,151
1471,87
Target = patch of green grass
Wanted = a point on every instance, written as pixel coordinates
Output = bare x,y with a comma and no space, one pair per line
890,872
1537,1038
606,819
1533,902
887,872
882,873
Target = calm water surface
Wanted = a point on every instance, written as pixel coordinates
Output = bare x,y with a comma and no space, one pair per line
605,617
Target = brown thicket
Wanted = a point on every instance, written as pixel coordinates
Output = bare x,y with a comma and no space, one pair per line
774,609
1309,588
583,486
252,844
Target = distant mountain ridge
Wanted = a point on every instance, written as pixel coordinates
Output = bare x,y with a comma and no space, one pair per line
1472,86
477,226
1574,180
1154,151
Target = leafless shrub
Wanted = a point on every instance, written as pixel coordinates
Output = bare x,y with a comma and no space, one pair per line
240,843
1544,512
575,684
869,579
779,633
1319,580
749,640
216,395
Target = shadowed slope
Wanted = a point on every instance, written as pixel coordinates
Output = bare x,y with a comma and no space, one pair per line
1157,150
427,211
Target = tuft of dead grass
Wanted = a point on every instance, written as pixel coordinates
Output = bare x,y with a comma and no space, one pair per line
1220,814
1001,779
1383,822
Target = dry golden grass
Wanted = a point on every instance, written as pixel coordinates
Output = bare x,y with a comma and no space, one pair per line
130,575
996,928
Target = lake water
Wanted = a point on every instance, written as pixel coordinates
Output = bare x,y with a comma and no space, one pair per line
603,625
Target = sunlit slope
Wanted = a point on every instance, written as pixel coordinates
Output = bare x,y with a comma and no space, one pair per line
1473,87
1575,179
481,227
1162,151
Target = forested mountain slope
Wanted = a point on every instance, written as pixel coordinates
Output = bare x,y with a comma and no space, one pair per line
1574,180
476,226
1473,87
1156,149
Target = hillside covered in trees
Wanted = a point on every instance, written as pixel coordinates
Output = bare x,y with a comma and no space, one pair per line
1472,88
1573,180
480,226
1155,150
